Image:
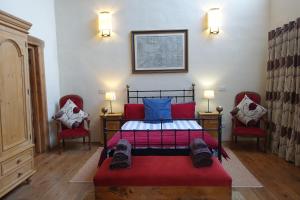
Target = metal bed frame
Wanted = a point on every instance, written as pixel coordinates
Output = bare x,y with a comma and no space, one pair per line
164,149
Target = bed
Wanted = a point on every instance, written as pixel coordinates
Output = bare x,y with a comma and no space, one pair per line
159,147
162,138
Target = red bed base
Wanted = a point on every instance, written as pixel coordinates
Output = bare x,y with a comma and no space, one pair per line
162,177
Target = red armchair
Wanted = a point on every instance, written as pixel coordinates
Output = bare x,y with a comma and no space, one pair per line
239,129
66,133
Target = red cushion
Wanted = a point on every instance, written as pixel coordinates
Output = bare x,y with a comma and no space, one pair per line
162,171
134,111
183,111
77,100
239,97
252,95
251,131
73,133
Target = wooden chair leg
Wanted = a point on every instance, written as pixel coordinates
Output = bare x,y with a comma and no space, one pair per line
266,144
235,140
63,143
89,141
257,143
59,146
83,139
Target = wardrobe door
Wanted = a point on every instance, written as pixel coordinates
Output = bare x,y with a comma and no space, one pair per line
13,98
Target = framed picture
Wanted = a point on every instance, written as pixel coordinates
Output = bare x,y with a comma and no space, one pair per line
159,51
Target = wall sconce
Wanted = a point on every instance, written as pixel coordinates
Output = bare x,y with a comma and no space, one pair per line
105,26
214,20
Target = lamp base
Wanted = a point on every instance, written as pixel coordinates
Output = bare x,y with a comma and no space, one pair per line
208,112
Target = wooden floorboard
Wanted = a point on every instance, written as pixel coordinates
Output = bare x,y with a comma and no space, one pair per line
281,180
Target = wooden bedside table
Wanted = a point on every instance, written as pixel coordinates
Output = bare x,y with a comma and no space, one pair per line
213,123
110,124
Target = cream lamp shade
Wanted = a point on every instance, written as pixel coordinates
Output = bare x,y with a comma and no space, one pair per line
214,20
209,94
105,23
110,96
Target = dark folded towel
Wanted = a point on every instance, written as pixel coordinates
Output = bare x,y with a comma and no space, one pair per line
200,153
123,152
120,164
123,145
120,155
198,143
202,163
201,157
203,153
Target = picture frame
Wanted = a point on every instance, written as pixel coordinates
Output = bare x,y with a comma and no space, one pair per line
159,51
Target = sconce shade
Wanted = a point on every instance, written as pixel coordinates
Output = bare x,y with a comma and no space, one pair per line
105,25
209,94
110,96
214,20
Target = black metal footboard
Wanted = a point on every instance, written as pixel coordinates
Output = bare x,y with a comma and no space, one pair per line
162,148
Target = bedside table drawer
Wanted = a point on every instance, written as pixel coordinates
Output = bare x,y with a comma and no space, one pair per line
209,117
111,122
211,123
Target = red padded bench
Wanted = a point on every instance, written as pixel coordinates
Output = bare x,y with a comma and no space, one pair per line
162,177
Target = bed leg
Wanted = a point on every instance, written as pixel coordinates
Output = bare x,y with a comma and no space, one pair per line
257,143
220,109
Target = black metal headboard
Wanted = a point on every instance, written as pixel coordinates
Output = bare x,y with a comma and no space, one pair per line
182,96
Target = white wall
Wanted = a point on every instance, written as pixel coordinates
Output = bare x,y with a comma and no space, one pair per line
281,12
41,14
234,59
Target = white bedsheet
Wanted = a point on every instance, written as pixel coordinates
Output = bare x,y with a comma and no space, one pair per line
175,124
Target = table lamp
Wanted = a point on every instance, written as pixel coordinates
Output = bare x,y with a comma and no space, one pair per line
209,94
110,96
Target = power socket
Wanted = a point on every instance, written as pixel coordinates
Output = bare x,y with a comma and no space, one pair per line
102,92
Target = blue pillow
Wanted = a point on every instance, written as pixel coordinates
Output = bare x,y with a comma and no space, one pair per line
157,110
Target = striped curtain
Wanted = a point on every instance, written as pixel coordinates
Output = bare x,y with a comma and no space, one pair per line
283,91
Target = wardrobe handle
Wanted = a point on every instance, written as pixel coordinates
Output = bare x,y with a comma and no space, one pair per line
18,161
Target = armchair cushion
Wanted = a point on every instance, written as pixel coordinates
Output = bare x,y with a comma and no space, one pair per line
70,115
248,112
73,133
249,131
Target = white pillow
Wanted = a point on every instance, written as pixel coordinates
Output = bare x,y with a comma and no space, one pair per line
70,115
248,112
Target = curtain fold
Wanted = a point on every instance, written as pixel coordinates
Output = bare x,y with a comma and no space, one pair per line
283,91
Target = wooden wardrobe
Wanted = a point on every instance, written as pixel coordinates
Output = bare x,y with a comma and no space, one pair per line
16,147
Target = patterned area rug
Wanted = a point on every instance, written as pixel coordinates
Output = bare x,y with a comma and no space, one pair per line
237,196
88,170
240,174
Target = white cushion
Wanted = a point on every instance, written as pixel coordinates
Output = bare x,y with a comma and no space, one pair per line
248,112
70,115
